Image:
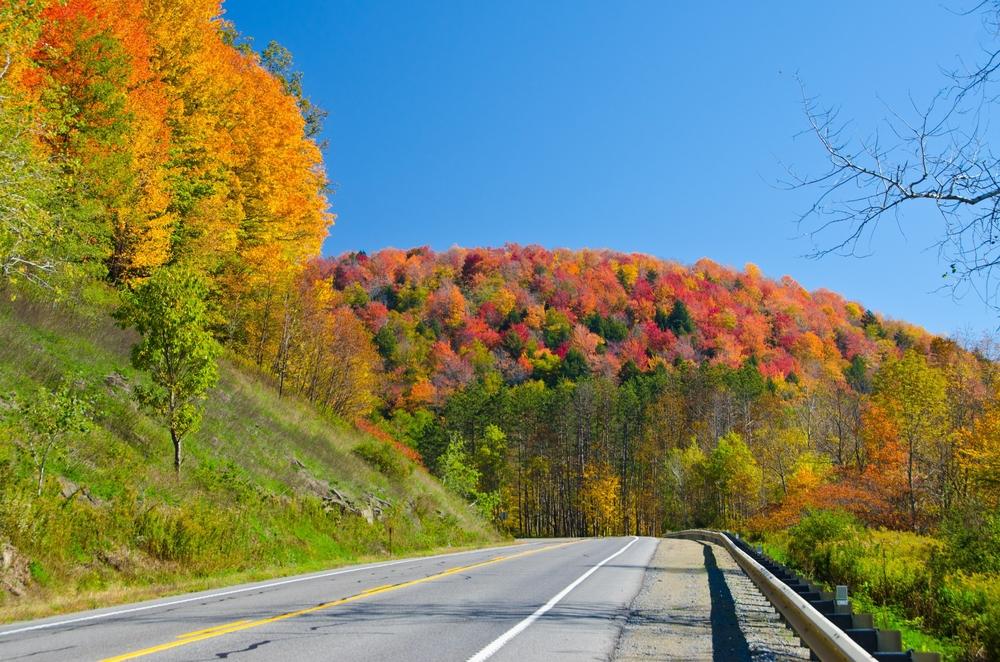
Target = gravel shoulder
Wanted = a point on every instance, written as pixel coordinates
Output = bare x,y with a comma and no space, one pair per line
767,637
671,614
696,604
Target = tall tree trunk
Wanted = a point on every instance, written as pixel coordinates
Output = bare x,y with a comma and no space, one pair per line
909,485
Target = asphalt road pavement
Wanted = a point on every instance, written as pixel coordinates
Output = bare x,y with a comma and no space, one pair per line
539,600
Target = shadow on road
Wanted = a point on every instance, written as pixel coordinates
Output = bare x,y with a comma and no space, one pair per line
728,642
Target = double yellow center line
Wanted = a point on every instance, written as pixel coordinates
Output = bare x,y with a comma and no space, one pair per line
237,626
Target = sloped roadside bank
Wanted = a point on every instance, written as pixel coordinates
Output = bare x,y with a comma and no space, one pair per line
114,523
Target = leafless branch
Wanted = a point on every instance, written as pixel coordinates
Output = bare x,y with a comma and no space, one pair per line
939,154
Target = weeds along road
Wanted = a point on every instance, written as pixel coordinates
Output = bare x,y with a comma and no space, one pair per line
540,600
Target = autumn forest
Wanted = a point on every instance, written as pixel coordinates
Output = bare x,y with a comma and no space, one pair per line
592,392
147,144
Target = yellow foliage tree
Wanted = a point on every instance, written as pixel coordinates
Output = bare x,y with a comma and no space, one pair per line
979,453
599,496
912,395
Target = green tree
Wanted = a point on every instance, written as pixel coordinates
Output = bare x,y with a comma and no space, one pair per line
457,471
611,329
547,367
412,428
574,366
871,325
746,382
557,328
736,477
628,372
856,375
491,457
679,320
177,350
47,420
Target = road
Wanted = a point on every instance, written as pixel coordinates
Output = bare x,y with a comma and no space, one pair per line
538,600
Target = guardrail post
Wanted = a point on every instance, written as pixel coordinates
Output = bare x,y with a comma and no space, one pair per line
841,597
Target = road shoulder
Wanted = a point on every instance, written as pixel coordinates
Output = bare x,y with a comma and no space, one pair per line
671,614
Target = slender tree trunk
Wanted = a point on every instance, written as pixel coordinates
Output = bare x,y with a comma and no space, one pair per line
520,485
174,437
41,459
281,360
909,484
265,322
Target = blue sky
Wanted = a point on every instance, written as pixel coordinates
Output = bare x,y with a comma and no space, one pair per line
649,126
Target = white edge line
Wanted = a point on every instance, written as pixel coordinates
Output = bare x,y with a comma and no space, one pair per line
502,640
256,587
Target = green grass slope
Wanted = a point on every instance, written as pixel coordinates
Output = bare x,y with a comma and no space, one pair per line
258,494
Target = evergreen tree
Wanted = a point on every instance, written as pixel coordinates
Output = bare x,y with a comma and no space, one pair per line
857,375
679,321
574,366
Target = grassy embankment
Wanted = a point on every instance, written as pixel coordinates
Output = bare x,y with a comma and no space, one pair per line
940,592
115,523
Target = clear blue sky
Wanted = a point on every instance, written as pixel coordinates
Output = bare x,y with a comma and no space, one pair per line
650,126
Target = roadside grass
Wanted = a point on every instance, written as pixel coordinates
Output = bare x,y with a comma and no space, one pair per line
115,523
891,575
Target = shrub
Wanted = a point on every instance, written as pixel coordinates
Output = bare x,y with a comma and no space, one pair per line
407,451
488,504
972,541
383,458
972,603
813,542
39,573
919,577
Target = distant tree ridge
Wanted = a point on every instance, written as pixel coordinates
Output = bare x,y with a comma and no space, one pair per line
525,312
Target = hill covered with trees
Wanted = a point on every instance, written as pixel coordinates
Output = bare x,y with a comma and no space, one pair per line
585,391
598,392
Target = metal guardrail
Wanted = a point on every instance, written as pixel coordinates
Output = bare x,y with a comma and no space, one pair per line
823,621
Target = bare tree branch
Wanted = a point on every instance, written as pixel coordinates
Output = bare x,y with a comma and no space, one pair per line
939,155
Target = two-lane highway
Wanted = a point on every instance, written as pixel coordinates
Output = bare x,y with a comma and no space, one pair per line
540,600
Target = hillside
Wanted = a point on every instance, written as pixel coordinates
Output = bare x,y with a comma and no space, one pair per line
529,312
269,485
594,391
